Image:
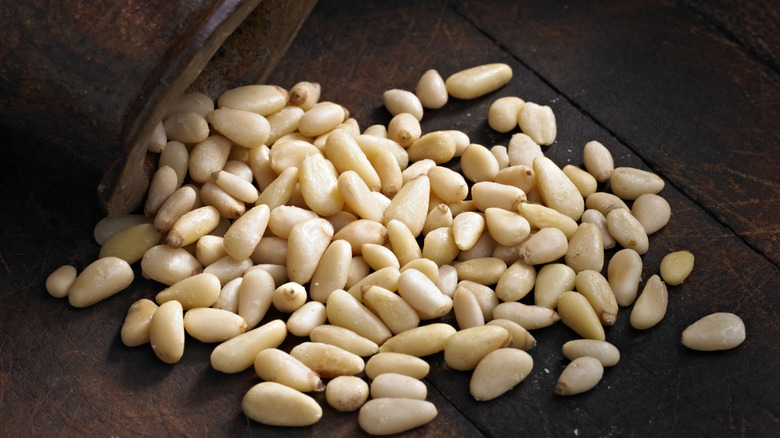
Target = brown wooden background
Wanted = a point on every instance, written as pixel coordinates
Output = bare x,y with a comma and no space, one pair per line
688,89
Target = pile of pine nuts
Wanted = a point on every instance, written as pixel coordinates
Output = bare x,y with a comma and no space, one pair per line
365,239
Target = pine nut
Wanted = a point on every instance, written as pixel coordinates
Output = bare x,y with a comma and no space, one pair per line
630,183
516,282
547,245
466,308
581,375
557,190
306,318
598,161
431,90
592,216
345,154
213,325
482,270
168,265
439,216
238,353
716,331
227,206
596,289
346,393
135,329
228,296
192,225
166,332
360,232
319,185
275,404
289,297
487,194
652,211
328,360
521,338
186,127
255,296
402,101
464,349
279,191
419,341
394,385
131,243
676,266
478,81
605,352
274,365
332,271
506,227
627,231
650,307
485,296
498,372
538,122
418,168
391,362
385,277
243,128
504,112
190,102
586,249
163,184
528,316
552,280
201,290
344,310
227,268
260,99
624,273
59,282
305,94
178,204
387,416
584,181
283,122
540,216
307,242
521,176
577,314
322,117
245,233
478,164
344,338
422,294
101,279
107,226
467,227
410,205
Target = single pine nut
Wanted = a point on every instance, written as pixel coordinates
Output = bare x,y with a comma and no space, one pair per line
521,338
274,365
168,265
344,338
394,385
584,181
485,296
135,329
478,81
439,216
387,416
305,94
177,157
410,205
227,268
201,290
419,341
131,243
245,233
59,282
179,203
557,190
360,232
322,117
529,317
164,182
438,146
416,169
332,271
166,332
422,294
716,331
227,206
236,186
467,227
279,191
439,246
255,296
186,127
464,349
516,282
403,242
307,242
547,245
346,393
604,202
598,161
592,216
107,226
538,122
478,164
461,141
402,101
448,280
522,150
487,194
482,270
504,112
467,311
577,314
627,231
357,196
283,122
238,353
506,227
553,280
284,217
605,352
676,266
306,318
652,211
581,375
624,273
540,217
498,372
319,185
190,102
385,277
260,99
213,325
278,272
393,310
521,176
289,297
328,360
208,156
431,90
630,183
391,362
650,307
344,310
243,128
596,289
228,296
192,225
275,404
345,154
101,279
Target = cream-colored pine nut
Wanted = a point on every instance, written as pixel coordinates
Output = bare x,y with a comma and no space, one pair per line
289,297
516,282
466,308
163,184
547,245
260,99
462,140
438,217
627,231
478,164
332,271
605,352
255,296
577,314
447,185
498,372
236,186
387,416
552,280
284,217
598,161
192,225
321,118
360,232
275,404
593,216
392,362
306,318
604,202
402,101
208,156
464,349
714,332
630,183
540,216
431,90
438,146
344,310
486,297
209,249
176,156
394,385
580,375
346,393
59,282
586,249
227,206
243,128
379,256
345,154
168,265
650,306
319,185
207,324
522,150
652,211
482,270
180,202
201,290
259,160
227,268
521,176
502,156
328,360
488,194
371,145
240,168
410,204
506,227
596,289
238,353
186,127
393,310
385,277
557,190
274,365
402,241
389,171
344,338
504,112
419,341
195,101
459,207
424,265
130,244
478,81
538,122
624,273
676,267
404,129
228,298
584,181
135,329
283,122
448,280
166,332
439,246
521,338
107,226
305,94
245,233
357,196
528,316
279,191
422,294
467,227
307,241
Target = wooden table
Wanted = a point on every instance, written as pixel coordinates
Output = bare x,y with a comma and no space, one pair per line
687,89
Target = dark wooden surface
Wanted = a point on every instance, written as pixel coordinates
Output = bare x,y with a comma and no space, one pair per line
687,89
